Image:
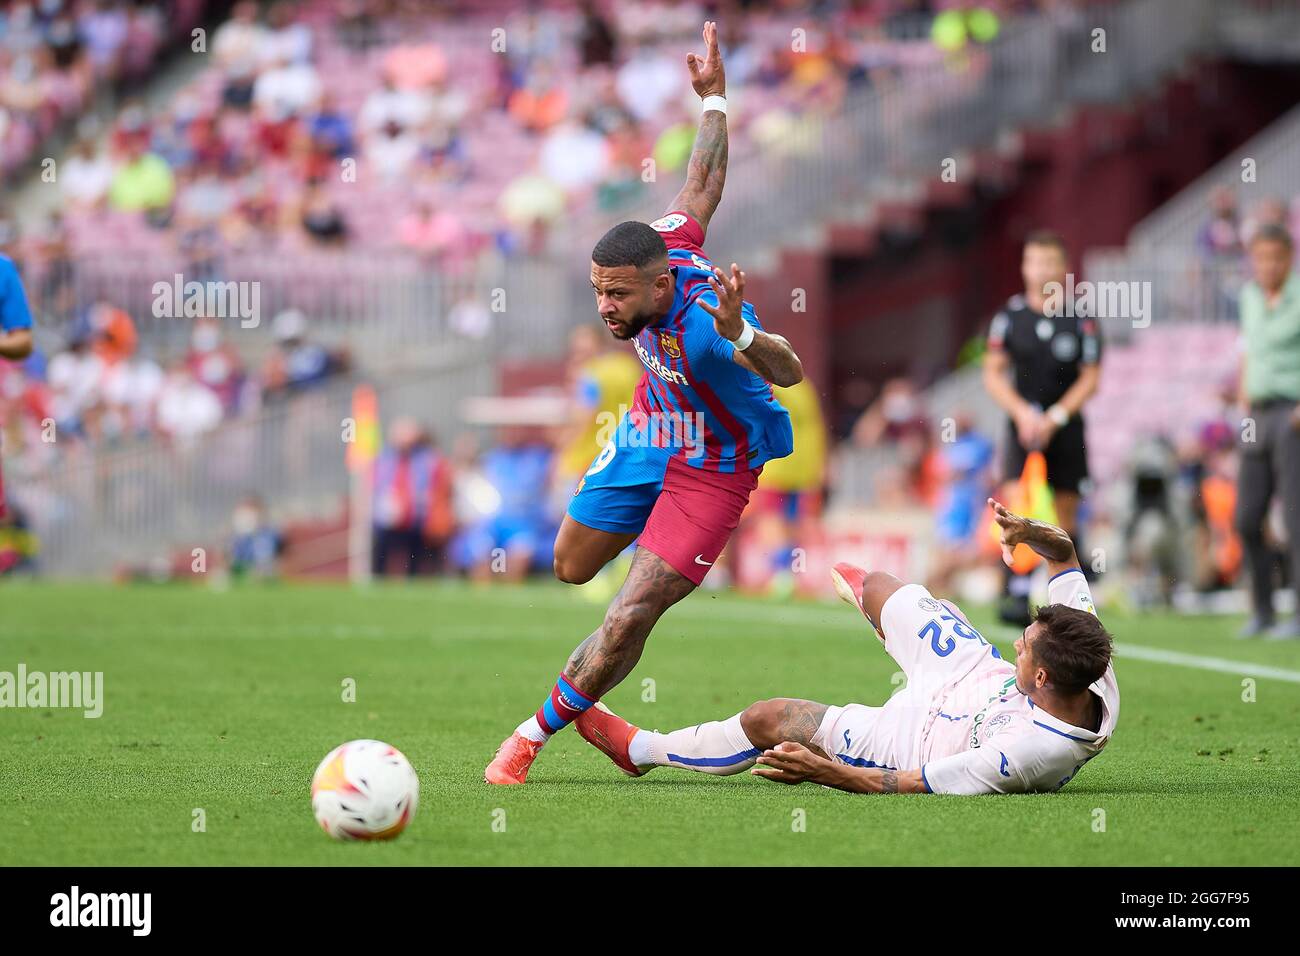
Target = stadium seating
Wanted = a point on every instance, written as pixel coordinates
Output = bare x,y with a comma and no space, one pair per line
62,57
899,101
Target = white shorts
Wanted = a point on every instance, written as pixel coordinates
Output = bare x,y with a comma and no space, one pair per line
936,648
888,736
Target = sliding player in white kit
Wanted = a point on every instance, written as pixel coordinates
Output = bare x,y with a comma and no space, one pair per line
968,722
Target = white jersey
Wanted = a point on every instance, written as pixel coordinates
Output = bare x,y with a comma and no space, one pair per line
984,736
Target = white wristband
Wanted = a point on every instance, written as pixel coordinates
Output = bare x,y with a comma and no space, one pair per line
714,102
1059,416
744,339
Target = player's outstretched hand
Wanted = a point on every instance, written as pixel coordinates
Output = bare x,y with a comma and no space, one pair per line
788,762
1014,528
1046,539
706,71
727,320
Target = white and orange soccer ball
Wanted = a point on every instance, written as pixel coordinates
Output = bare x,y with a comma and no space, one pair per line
364,790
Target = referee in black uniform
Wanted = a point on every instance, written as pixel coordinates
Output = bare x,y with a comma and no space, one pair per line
1054,361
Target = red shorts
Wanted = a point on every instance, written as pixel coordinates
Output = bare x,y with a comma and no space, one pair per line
694,516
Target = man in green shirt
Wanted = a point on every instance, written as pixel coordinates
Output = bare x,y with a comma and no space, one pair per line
1270,434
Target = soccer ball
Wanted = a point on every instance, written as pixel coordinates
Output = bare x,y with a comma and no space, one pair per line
364,790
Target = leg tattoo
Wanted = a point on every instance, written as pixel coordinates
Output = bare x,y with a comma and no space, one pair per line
799,720
600,662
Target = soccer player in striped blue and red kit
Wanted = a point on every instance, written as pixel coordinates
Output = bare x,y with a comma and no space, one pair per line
687,455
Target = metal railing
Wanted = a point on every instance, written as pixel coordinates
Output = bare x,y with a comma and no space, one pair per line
380,306
94,510
1173,286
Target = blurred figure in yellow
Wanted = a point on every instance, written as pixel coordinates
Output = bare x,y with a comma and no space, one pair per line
786,507
600,383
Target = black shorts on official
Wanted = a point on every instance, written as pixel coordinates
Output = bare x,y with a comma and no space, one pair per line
1066,454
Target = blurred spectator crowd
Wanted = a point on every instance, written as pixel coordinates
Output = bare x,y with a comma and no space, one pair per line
372,124
444,131
57,56
104,390
1222,239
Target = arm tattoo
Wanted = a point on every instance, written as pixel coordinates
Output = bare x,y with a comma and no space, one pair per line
772,357
706,172
889,782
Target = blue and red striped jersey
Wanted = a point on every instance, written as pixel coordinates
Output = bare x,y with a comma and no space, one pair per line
719,415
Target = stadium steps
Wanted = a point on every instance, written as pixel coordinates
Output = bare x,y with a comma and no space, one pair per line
1276,152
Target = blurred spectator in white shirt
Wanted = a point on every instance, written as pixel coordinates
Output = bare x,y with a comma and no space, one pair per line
285,40
237,49
186,409
75,376
647,81
574,156
286,90
86,175
391,123
130,389
388,105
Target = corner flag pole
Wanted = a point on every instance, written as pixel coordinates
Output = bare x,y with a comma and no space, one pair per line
361,453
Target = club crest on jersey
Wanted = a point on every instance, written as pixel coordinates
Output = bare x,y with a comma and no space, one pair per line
669,223
659,368
671,347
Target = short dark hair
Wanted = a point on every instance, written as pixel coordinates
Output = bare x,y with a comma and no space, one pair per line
1046,237
1071,646
1271,232
629,243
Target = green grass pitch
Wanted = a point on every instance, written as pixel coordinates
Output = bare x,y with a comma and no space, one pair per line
226,701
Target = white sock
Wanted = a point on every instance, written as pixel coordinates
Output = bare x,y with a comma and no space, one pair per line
638,748
531,729
719,747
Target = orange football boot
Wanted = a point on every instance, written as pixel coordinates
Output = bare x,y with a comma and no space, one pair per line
848,580
513,758
611,735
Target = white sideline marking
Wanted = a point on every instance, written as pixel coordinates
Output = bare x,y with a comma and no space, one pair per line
1161,656
844,618
1245,668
